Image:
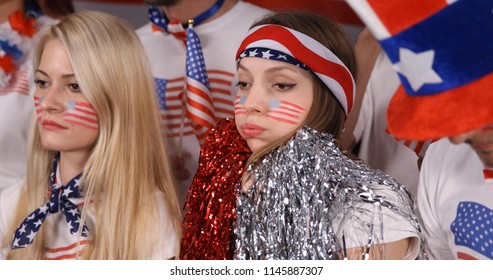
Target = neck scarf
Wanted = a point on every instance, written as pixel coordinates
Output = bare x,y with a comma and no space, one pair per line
59,201
161,23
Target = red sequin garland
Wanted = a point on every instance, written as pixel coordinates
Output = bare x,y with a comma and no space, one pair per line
211,200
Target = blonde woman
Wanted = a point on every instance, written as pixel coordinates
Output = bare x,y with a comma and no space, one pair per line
99,184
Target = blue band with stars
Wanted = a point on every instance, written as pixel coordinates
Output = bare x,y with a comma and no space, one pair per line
460,55
272,55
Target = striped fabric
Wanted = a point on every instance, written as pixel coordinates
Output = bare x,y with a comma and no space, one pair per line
319,59
18,83
174,117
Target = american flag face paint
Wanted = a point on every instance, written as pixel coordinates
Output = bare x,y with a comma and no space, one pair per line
81,113
279,110
240,105
37,105
76,112
283,111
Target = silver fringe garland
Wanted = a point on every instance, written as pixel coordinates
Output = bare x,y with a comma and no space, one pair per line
307,200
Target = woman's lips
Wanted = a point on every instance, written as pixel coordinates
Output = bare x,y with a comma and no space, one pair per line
52,125
251,130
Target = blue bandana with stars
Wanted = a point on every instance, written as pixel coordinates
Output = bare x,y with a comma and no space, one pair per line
59,201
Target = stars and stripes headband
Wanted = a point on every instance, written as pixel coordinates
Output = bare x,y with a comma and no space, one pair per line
444,58
280,43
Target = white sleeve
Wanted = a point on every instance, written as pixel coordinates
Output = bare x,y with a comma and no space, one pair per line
426,199
364,117
363,222
8,202
168,240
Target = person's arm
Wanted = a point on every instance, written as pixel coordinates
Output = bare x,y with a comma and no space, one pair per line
388,251
366,50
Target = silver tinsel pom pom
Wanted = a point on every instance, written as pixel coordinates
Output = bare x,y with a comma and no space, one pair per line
306,200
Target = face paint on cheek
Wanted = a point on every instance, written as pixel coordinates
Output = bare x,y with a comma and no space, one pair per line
81,113
37,105
240,105
284,111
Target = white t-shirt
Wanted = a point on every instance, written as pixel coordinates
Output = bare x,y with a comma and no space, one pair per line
455,203
220,39
379,149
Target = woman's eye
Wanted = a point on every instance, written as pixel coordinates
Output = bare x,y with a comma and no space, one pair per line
283,86
242,85
40,83
74,87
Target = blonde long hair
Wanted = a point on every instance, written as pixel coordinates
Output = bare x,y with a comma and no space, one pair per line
326,113
128,166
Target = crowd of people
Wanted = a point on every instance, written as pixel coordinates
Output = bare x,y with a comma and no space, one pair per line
222,130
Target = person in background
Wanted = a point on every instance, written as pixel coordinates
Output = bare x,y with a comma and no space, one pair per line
20,23
192,103
99,184
368,137
274,183
446,70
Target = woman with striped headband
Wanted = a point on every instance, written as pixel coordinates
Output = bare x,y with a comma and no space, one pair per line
273,183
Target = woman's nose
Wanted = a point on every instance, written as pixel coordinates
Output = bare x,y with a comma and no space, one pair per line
255,102
52,101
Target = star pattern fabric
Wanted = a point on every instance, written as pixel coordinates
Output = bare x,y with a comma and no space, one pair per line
60,196
417,68
272,55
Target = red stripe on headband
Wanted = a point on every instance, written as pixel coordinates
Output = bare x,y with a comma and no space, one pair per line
314,61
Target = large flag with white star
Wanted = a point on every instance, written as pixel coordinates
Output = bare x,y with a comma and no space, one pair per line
441,53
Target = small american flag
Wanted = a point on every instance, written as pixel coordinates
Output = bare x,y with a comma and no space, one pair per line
81,113
18,83
171,92
199,102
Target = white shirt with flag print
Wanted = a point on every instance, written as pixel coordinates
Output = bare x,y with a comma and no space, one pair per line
455,202
220,39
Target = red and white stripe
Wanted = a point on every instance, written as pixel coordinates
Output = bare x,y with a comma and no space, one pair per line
200,108
18,83
488,175
82,114
322,61
239,107
174,28
70,252
286,112
175,120
418,146
37,106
